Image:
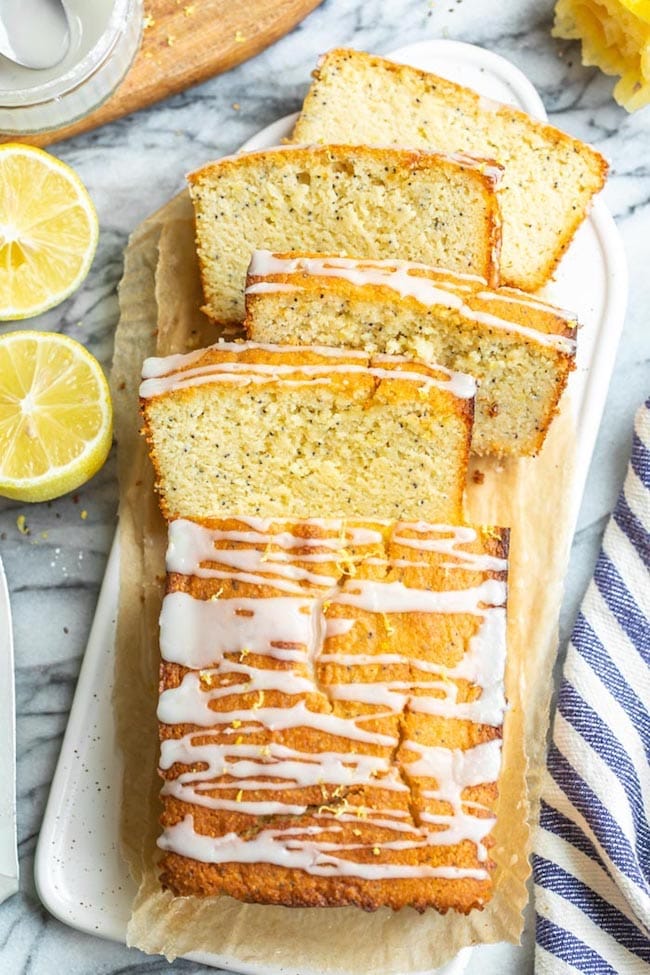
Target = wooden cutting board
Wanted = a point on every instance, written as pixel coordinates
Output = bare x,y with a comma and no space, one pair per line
183,43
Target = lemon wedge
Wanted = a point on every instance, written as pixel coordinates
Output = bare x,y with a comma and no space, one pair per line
56,418
48,231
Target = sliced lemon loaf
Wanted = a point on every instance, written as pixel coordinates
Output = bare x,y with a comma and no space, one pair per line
432,207
519,348
306,432
549,178
362,666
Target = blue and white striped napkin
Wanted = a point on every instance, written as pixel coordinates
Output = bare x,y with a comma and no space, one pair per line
591,858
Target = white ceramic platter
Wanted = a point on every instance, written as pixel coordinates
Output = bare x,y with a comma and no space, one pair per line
79,874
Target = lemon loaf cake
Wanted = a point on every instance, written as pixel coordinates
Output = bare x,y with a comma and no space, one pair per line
306,432
422,206
331,711
519,348
549,178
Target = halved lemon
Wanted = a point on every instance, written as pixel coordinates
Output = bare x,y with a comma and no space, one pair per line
56,418
48,231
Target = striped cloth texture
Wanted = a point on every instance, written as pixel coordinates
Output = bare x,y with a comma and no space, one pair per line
591,862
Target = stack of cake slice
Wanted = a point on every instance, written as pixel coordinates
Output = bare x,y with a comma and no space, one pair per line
549,178
519,348
333,636
422,206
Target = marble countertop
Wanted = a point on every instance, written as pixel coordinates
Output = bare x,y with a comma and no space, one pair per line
133,166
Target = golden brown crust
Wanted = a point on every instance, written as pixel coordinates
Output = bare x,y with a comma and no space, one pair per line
421,637
487,171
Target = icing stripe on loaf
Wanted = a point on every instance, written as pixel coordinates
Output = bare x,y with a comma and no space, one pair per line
430,287
181,371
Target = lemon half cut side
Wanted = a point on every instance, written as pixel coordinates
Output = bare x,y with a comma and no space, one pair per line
48,231
56,418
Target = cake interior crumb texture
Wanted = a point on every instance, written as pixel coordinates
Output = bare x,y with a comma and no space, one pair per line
331,712
341,200
520,350
278,431
549,177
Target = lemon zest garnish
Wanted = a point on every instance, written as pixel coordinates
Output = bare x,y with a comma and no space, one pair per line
236,723
21,525
389,626
260,701
267,553
239,796
206,678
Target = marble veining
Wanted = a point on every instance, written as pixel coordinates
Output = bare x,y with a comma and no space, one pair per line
55,571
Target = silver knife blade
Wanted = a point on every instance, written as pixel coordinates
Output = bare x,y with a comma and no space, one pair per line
8,847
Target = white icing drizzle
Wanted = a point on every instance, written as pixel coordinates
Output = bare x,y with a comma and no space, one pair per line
516,297
459,535
431,290
264,287
285,849
288,638
176,372
196,632
375,596
265,263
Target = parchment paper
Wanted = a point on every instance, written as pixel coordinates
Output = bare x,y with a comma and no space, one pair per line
159,301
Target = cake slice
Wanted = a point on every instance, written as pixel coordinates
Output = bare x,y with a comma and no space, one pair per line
306,432
423,206
520,349
549,178
331,711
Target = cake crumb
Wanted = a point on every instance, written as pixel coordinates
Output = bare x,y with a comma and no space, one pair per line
21,525
478,476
